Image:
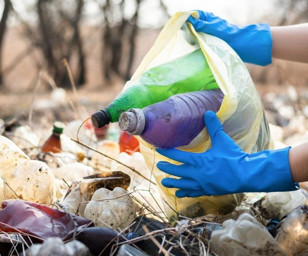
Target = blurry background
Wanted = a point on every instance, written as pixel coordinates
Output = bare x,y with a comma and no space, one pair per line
103,41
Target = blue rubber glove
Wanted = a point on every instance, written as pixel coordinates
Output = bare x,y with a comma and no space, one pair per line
225,168
253,43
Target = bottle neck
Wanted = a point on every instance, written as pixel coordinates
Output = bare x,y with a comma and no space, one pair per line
56,134
101,118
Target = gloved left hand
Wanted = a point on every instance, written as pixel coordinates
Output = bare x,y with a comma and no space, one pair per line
253,43
225,168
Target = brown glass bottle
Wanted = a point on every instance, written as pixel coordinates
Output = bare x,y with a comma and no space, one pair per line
53,143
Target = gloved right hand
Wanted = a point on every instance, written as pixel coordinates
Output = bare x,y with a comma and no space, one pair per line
253,43
225,168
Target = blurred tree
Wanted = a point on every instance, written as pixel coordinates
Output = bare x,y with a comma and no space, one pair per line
59,38
54,29
292,11
120,34
119,37
3,25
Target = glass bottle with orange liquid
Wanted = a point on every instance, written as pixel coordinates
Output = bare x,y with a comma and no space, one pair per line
53,143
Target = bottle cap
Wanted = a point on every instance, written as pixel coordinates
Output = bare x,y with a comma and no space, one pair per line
100,118
58,127
132,121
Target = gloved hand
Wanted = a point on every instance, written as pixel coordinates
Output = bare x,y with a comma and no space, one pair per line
225,168
253,43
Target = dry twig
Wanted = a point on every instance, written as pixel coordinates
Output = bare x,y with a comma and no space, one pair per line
129,167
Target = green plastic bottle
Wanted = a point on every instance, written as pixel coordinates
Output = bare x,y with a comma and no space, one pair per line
188,73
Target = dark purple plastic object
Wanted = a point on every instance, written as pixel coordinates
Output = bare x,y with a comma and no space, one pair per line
178,120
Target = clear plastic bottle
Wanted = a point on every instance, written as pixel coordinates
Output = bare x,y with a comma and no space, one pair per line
128,143
188,73
174,122
53,143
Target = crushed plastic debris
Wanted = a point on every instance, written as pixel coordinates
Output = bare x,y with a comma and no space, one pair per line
80,193
24,178
38,221
276,205
293,232
244,236
114,191
113,209
55,246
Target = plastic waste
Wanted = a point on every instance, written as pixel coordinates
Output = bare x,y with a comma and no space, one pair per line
38,221
75,201
11,242
55,246
71,147
113,132
56,160
174,122
128,143
187,73
73,172
101,132
68,174
99,240
77,131
53,143
8,147
113,209
145,190
85,133
277,205
128,250
292,235
28,179
210,228
31,180
135,161
60,189
159,231
244,236
109,150
272,226
147,245
25,138
80,193
109,180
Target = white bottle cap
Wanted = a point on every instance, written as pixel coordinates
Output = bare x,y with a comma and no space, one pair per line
132,121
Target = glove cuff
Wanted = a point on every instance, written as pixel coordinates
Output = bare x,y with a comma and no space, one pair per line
260,44
285,179
276,171
266,43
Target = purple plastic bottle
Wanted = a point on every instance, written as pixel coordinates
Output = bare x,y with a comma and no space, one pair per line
173,122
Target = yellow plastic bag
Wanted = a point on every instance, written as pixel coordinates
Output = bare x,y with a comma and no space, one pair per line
241,112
